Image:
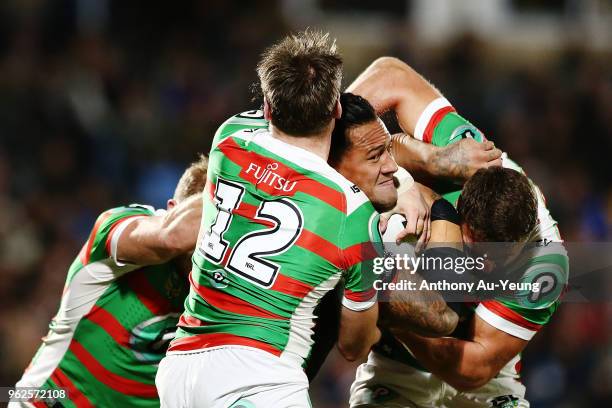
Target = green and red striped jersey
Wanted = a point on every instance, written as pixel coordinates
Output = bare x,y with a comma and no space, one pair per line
280,229
113,326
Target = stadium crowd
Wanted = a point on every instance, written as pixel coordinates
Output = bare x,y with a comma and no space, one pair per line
103,105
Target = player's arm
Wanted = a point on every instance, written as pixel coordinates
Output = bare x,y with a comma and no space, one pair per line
418,311
424,311
358,332
466,364
457,161
158,238
361,243
390,84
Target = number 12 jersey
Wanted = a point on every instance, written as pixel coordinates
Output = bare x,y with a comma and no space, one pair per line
280,229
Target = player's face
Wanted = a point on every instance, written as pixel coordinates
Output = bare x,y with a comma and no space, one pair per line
368,163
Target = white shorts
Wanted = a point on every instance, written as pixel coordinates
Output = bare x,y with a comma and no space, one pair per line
382,382
231,377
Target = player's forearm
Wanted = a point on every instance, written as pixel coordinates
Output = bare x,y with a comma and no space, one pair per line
460,363
456,162
358,333
158,239
179,233
421,311
413,155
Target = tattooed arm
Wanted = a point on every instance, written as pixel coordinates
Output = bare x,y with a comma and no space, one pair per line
422,311
457,162
418,311
391,84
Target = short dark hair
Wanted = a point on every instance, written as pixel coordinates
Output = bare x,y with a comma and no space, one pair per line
356,111
498,205
193,179
300,79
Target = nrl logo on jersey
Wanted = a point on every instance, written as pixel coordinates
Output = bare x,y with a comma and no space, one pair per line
269,177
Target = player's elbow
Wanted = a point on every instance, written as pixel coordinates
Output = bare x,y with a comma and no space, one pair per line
476,377
352,351
388,63
444,325
395,69
355,344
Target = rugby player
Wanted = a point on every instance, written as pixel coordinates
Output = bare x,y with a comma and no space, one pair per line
280,229
123,296
480,369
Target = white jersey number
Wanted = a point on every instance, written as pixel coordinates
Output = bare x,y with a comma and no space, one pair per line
247,257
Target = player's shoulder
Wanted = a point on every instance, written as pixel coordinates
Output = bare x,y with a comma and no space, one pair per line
252,119
129,209
108,218
356,202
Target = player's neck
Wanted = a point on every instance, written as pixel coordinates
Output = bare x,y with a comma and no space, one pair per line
318,143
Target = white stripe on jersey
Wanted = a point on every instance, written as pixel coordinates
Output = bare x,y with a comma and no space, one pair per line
302,321
504,325
425,117
84,290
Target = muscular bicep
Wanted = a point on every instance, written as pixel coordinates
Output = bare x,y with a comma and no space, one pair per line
358,332
140,242
157,239
390,84
498,346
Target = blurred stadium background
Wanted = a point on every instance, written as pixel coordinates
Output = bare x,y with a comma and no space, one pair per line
104,102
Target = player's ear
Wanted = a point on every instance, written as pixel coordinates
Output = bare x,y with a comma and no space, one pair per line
338,110
171,203
267,113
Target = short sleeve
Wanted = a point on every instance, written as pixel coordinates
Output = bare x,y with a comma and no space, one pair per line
107,228
363,244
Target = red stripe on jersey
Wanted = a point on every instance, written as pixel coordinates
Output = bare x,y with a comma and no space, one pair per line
229,303
249,211
255,164
39,404
360,296
202,341
74,394
147,294
433,122
510,315
113,228
211,188
290,286
359,253
110,324
190,321
86,251
320,246
116,382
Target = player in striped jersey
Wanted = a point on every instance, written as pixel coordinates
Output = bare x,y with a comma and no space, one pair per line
482,368
280,229
121,303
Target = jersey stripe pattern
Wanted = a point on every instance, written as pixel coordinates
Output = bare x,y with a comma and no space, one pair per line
280,229
113,326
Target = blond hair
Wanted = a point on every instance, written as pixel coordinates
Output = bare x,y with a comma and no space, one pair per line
193,179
